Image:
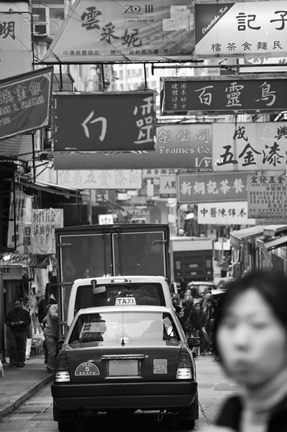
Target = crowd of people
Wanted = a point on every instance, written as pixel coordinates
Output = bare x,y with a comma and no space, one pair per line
197,320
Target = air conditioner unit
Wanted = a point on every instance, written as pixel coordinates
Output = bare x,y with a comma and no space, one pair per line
40,29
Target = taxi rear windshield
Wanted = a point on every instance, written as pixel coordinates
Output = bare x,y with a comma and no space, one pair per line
124,328
111,294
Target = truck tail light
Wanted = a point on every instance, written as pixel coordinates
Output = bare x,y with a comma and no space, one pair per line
184,367
62,373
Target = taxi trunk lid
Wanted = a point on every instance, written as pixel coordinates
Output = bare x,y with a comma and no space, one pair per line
157,361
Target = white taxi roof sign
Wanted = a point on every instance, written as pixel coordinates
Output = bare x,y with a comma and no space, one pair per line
121,301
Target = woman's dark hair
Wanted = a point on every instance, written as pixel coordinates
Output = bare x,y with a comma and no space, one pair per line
270,284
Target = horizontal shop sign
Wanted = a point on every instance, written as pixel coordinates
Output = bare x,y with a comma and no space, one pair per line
224,213
25,102
124,31
223,94
241,29
211,187
98,121
99,179
177,146
249,146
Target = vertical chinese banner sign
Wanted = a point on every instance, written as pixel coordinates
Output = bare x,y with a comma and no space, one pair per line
44,223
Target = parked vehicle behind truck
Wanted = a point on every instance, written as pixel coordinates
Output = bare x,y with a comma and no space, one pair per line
191,259
92,251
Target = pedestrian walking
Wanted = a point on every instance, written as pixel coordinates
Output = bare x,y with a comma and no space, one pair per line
18,321
204,339
191,322
29,331
51,332
42,312
224,265
251,342
209,311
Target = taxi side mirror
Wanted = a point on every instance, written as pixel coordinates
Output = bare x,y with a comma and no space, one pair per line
193,342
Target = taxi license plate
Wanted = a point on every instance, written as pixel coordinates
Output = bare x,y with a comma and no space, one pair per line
123,368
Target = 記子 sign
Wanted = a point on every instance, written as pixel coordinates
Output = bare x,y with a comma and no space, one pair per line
249,146
177,146
25,102
241,29
267,195
105,121
107,31
210,187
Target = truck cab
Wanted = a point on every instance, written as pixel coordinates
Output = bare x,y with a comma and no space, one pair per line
118,291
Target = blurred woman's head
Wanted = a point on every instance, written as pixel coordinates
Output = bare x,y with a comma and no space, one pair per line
251,328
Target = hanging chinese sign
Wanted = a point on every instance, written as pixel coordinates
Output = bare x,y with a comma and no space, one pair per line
249,146
224,213
241,29
267,195
15,40
98,121
25,102
43,227
177,146
211,187
99,31
223,94
98,179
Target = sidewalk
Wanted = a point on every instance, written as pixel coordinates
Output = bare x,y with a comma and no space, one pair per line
19,384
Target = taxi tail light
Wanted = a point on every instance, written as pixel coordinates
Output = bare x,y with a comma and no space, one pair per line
184,367
62,373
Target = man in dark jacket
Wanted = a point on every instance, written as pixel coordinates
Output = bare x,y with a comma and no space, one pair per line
18,320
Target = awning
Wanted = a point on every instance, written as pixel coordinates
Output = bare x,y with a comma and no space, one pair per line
273,244
53,189
245,234
18,147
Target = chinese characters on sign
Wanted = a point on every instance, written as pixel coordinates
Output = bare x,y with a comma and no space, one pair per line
25,102
98,179
44,223
249,146
180,95
94,122
224,213
195,188
177,146
241,29
267,195
167,186
125,30
15,41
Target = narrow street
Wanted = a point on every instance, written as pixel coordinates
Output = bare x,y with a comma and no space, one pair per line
36,414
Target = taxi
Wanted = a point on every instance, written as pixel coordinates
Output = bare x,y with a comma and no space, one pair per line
124,359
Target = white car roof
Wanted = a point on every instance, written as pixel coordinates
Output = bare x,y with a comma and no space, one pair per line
120,279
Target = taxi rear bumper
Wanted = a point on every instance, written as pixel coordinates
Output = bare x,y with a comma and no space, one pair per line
107,396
